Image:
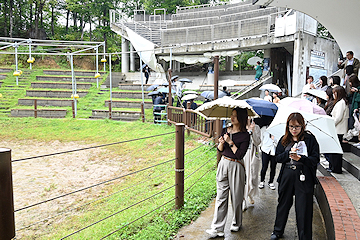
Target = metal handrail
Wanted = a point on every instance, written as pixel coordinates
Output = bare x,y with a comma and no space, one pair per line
246,89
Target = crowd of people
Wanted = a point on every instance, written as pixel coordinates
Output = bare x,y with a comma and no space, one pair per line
246,145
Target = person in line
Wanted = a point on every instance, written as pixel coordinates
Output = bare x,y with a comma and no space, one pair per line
226,91
298,152
334,81
268,144
340,114
350,60
252,163
258,70
230,177
267,96
159,100
276,98
307,87
322,84
146,73
355,88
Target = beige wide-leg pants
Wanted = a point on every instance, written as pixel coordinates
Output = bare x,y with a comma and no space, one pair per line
230,176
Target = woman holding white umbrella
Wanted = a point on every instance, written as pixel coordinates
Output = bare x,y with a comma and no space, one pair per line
298,151
230,176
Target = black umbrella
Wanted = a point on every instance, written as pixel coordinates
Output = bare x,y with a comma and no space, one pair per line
152,87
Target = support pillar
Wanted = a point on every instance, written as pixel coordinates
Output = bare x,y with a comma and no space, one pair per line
132,58
229,64
124,55
298,64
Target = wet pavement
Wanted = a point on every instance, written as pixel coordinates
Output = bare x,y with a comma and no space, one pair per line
258,221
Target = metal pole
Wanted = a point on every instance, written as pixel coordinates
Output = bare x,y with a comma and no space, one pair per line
73,81
170,58
142,89
73,109
30,53
188,117
110,76
16,62
179,166
104,57
7,218
35,108
97,66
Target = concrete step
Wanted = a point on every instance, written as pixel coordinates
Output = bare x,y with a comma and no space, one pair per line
68,72
128,104
134,86
66,79
2,76
44,113
16,86
116,115
6,70
53,93
65,85
46,102
116,78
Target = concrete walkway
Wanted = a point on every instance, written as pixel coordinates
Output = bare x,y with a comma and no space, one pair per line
258,220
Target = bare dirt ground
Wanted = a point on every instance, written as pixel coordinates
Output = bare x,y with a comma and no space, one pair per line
44,178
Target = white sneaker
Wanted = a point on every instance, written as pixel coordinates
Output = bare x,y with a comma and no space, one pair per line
244,205
272,186
261,185
251,200
234,228
214,233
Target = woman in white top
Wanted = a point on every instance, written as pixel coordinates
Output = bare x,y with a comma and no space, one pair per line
340,113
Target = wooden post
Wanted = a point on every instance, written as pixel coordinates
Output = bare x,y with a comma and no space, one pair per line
73,108
142,112
110,110
216,90
179,166
35,108
7,218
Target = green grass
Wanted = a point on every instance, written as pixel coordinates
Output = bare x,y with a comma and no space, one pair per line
162,223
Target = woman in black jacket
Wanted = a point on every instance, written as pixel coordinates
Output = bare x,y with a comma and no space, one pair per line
298,151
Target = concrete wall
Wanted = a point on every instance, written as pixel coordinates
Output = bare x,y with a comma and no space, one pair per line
303,45
65,79
137,95
116,115
53,94
77,73
128,104
46,102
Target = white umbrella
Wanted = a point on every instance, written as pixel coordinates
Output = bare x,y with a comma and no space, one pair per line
253,60
221,108
228,83
321,126
189,96
270,87
189,92
317,93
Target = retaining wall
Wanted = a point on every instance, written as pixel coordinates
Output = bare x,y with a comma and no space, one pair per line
128,104
46,102
130,95
116,115
44,113
60,85
68,72
65,79
53,94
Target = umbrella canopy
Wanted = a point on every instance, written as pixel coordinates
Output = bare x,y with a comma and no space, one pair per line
321,126
189,92
303,105
152,87
153,93
253,60
270,87
221,108
185,80
262,107
174,77
228,83
210,94
317,93
164,90
165,84
189,97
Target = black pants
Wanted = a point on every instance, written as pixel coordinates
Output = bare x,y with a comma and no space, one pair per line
289,186
266,158
335,159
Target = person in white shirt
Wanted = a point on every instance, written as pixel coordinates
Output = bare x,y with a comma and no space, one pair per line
307,87
267,96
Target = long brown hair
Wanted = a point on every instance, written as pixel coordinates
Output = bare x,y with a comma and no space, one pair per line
339,93
288,137
242,117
